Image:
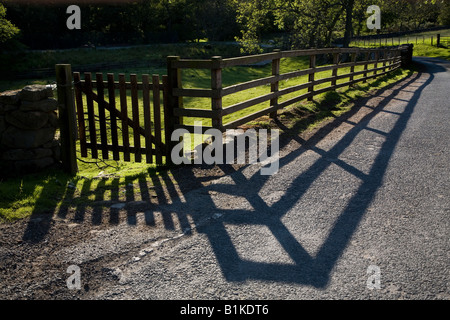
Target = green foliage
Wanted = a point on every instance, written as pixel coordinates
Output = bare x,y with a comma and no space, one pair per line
7,29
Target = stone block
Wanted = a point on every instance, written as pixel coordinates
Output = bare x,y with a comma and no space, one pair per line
4,108
31,120
9,97
20,139
53,119
45,105
35,92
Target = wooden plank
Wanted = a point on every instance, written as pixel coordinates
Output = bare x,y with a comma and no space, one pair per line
249,85
127,85
67,118
199,93
248,60
366,65
80,114
248,103
352,67
101,113
124,117
274,87
157,118
250,117
216,84
113,116
91,115
147,118
295,74
334,73
110,147
312,65
198,113
167,117
135,113
309,52
295,88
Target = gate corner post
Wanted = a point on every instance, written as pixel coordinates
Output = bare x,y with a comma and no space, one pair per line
67,117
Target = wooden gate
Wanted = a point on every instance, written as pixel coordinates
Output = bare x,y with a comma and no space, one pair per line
122,118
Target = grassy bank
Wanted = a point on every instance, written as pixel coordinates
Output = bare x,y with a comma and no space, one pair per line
424,43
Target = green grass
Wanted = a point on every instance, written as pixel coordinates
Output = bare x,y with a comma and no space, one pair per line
51,191
423,45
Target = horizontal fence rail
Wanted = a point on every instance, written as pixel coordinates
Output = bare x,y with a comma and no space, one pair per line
375,62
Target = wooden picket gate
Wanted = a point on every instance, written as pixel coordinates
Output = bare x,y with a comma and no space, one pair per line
141,120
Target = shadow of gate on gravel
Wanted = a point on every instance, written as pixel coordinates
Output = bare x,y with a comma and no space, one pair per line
307,269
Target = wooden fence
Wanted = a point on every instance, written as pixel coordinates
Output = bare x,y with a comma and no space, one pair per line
109,113
383,60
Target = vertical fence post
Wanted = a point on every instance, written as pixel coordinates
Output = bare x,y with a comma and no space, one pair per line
312,65
377,57
366,59
67,117
334,71
438,39
352,68
216,84
274,87
431,40
173,102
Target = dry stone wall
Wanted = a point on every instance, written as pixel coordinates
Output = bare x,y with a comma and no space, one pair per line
28,127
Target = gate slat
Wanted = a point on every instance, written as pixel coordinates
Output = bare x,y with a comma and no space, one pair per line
147,118
113,120
91,119
167,123
135,111
157,117
124,110
80,114
102,115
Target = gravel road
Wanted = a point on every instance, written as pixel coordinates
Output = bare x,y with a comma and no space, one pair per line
359,209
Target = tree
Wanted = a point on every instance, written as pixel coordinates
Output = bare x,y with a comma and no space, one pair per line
7,29
310,23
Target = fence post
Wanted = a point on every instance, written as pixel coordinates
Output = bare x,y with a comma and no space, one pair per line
312,65
216,84
173,102
438,40
431,40
377,57
274,87
334,71
67,118
366,59
352,68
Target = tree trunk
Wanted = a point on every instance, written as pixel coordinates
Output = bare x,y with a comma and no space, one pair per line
349,4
